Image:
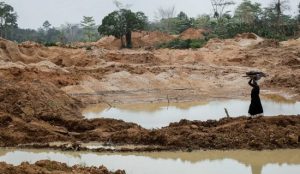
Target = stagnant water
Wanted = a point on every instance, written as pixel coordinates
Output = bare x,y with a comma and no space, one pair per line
156,115
208,162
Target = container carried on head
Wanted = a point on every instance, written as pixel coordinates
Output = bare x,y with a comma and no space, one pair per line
255,75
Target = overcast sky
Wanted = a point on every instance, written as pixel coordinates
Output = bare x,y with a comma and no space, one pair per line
32,13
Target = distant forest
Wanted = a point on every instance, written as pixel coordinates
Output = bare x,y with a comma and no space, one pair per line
270,22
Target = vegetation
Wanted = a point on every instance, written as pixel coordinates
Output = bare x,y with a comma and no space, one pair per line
170,24
121,23
219,7
89,27
270,22
183,44
8,20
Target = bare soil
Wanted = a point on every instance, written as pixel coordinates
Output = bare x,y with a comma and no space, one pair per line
44,88
47,166
42,113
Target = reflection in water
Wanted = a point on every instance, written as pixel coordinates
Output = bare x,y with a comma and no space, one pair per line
160,114
208,162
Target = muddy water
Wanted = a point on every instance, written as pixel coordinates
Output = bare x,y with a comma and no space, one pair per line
208,162
156,115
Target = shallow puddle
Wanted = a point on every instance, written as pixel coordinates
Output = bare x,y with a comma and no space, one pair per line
156,115
208,162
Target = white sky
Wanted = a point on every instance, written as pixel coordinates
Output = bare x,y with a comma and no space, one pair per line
32,13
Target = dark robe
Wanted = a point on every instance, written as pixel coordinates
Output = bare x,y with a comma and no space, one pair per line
255,106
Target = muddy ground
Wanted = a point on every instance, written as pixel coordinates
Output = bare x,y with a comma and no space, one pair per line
53,167
41,113
43,90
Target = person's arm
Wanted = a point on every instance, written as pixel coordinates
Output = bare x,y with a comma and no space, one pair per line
251,83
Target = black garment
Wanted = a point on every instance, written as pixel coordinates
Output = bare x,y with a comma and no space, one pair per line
255,106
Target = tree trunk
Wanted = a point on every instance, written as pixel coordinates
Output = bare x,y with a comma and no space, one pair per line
122,42
128,40
278,10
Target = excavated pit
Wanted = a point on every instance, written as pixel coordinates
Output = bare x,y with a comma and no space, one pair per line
44,89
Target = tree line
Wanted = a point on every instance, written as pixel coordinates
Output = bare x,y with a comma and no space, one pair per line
46,34
270,22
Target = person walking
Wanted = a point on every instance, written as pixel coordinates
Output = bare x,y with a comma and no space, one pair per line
255,107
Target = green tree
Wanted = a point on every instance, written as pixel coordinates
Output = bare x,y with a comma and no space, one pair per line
203,21
8,19
183,22
46,25
121,23
88,24
248,12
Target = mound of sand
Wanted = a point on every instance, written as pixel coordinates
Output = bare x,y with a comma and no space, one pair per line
248,39
36,99
241,41
149,39
47,66
246,36
291,42
267,43
192,33
30,44
31,52
221,45
109,42
140,39
132,56
9,51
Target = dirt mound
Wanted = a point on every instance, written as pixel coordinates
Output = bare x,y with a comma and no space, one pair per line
37,112
150,39
140,39
9,51
192,33
233,133
109,42
293,62
30,44
31,52
246,36
289,80
268,43
33,112
248,39
131,56
40,72
241,41
291,42
37,99
219,44
47,166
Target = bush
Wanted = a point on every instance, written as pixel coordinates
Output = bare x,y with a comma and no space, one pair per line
50,44
197,43
183,44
